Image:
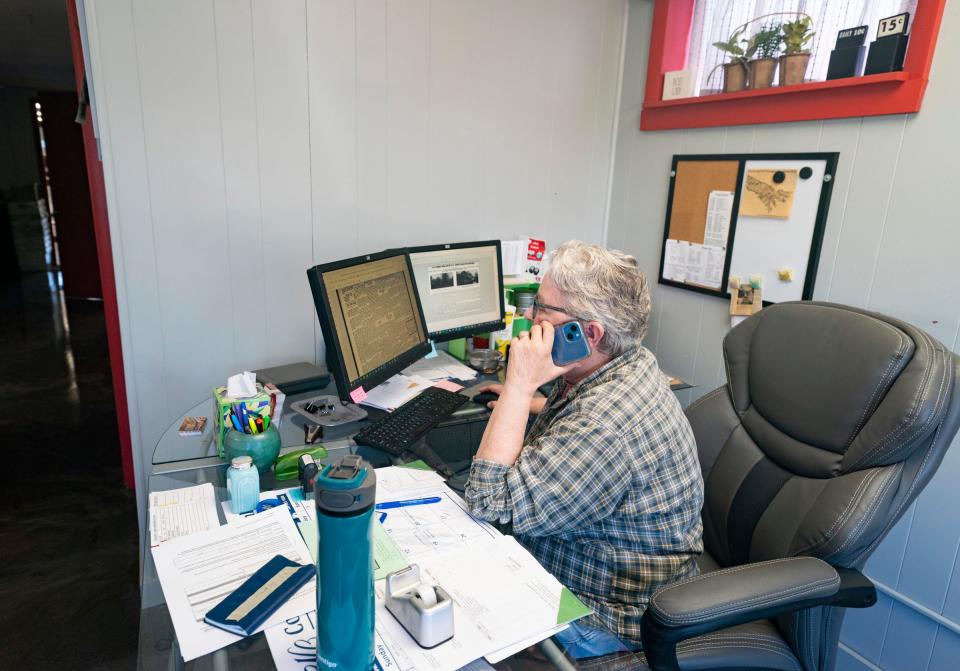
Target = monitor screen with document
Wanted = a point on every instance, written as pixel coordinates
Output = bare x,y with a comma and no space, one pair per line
371,319
460,287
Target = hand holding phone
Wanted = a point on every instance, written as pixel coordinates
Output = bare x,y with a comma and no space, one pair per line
569,344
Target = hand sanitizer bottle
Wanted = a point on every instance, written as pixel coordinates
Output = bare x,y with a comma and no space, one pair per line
243,485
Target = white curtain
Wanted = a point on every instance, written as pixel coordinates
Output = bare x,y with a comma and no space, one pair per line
715,20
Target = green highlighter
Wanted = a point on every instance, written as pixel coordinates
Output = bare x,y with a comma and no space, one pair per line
286,466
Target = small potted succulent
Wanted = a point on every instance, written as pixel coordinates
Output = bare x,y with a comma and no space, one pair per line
796,55
761,51
735,70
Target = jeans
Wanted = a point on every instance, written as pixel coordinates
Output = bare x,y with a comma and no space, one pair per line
581,642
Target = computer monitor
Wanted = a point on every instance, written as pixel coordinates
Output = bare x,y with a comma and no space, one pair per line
371,318
460,287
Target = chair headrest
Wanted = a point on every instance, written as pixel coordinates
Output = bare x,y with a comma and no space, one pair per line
826,389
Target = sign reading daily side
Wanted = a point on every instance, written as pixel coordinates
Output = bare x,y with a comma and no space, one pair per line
851,37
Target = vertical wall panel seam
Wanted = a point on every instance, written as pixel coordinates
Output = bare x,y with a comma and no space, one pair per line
386,114
587,193
356,126
906,543
886,210
933,646
223,160
615,130
153,227
256,126
953,571
313,237
696,351
843,210
956,338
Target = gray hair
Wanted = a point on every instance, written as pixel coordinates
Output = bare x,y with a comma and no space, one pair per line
606,286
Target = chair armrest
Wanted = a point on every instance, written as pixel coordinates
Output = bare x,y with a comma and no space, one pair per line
741,594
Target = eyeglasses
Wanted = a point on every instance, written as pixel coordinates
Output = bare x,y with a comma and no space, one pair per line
538,305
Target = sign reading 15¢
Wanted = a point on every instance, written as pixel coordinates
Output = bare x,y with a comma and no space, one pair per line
894,25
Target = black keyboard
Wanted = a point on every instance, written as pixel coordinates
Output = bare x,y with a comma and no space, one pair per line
395,432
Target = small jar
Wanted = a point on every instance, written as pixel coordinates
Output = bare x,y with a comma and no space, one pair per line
243,485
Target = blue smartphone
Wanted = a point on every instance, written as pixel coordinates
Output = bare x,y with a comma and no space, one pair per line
569,344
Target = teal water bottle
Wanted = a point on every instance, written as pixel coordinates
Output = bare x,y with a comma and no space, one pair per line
344,494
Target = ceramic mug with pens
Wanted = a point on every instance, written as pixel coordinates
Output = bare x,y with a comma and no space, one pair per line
263,448
252,435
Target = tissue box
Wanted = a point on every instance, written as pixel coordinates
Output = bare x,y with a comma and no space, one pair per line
221,410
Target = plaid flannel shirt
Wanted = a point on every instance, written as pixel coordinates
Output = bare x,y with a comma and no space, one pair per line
607,490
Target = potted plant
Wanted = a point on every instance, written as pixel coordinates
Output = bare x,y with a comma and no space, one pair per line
793,63
735,70
761,51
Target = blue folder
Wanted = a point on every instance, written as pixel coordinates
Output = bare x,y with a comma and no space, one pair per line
247,607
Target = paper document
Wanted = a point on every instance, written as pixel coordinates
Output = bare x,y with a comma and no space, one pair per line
441,367
502,598
199,570
514,254
386,555
178,512
396,391
693,263
768,193
300,508
719,211
397,482
435,528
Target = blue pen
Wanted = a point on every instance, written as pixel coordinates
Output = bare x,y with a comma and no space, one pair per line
389,505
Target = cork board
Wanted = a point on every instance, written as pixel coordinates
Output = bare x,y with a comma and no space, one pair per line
692,186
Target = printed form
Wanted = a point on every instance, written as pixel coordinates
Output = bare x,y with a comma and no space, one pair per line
198,571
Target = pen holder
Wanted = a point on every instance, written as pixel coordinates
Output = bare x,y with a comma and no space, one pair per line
263,448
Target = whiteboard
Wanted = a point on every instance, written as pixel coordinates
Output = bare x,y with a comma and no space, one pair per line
764,245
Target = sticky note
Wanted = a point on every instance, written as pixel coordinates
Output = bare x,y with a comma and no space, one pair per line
448,385
785,274
357,395
756,281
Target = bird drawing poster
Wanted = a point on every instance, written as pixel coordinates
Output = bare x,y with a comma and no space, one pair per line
769,193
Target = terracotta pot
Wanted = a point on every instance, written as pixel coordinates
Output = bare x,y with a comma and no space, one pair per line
793,69
734,77
762,71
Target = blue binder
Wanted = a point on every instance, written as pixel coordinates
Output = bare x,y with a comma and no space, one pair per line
247,607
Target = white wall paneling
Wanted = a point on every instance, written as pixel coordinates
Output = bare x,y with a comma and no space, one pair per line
890,245
244,141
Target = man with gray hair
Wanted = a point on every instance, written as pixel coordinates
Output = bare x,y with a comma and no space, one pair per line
605,488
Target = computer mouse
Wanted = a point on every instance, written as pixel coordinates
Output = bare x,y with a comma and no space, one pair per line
485,397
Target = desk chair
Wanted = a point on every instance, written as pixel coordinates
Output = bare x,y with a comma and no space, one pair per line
832,421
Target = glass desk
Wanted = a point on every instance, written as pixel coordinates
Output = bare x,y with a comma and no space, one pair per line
158,647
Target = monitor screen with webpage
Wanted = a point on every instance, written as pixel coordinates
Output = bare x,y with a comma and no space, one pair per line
371,319
460,287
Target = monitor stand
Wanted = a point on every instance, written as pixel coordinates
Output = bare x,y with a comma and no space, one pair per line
329,410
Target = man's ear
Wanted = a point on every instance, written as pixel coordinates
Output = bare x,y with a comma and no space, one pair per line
594,332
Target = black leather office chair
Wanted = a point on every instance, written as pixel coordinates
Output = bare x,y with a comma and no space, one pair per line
832,421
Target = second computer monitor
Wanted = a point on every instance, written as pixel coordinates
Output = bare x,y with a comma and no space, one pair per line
460,287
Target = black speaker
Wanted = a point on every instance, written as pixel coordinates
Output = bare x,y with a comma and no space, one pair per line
886,54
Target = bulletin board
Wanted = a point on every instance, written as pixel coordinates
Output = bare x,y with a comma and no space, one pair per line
747,216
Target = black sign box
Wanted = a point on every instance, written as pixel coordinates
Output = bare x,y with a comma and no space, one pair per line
886,54
851,37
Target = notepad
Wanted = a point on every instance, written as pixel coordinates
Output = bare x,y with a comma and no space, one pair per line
249,606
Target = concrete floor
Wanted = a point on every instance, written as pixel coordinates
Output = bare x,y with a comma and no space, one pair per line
69,585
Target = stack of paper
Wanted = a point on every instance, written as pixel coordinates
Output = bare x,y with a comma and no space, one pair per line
441,367
199,570
504,601
396,391
179,512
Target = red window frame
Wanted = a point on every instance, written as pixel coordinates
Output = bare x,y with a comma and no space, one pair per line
886,93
